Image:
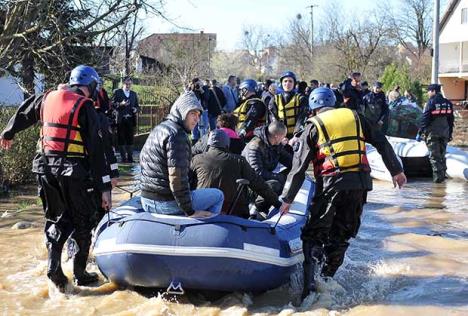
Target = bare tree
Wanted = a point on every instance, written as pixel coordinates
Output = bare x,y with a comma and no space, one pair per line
51,36
412,27
254,41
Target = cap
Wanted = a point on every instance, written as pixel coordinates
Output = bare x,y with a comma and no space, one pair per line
434,87
378,84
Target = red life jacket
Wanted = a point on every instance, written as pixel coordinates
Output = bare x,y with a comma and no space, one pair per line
60,132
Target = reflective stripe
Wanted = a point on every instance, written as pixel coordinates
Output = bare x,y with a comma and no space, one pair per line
218,252
287,113
106,179
114,166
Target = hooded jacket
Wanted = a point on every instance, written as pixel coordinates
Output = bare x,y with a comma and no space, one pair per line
220,169
264,157
165,157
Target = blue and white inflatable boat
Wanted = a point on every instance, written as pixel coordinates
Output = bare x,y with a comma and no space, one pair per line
220,253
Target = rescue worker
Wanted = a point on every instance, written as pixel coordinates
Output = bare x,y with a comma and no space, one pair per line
251,112
334,140
436,130
102,106
375,107
289,107
218,168
69,165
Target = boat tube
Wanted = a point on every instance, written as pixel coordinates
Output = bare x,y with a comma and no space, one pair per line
221,253
415,160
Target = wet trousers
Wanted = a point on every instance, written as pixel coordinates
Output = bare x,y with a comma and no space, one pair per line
70,208
437,146
335,217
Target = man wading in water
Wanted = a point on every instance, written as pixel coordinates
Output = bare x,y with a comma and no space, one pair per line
334,140
70,165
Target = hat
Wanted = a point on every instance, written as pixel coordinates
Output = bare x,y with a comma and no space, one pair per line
378,84
364,83
219,139
434,87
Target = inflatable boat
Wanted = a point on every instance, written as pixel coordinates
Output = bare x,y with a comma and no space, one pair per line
415,159
220,253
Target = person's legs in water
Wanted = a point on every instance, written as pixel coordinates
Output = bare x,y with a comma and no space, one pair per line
314,236
57,227
79,195
208,200
346,223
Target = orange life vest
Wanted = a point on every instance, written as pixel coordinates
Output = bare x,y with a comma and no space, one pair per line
60,132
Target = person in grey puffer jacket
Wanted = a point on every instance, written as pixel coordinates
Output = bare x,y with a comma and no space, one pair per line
165,162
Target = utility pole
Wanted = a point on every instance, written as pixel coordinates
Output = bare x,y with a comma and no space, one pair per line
435,43
312,25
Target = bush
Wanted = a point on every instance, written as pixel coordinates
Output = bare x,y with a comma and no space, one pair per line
15,164
395,75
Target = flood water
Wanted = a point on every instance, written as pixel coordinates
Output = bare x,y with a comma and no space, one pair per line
411,256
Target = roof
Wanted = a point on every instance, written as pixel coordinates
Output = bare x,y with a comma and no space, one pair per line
448,13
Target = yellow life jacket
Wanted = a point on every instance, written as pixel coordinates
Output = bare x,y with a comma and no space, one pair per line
341,143
287,113
243,109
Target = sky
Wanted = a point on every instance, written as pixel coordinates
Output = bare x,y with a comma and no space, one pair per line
226,18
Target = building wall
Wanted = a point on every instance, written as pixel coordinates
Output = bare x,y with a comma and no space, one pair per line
454,31
453,88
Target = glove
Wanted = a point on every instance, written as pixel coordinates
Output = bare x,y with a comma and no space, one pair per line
418,137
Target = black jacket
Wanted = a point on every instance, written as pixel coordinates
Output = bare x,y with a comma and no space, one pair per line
94,166
375,107
307,151
220,169
213,107
107,142
437,125
264,158
125,112
165,162
352,96
256,111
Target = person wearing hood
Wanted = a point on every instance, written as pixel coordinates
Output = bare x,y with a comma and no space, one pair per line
288,107
217,168
165,163
265,151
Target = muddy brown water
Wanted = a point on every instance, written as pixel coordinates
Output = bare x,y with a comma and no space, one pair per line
410,257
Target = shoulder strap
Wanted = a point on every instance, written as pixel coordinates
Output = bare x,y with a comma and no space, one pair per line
217,100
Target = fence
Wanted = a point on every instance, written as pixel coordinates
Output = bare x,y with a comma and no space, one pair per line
149,116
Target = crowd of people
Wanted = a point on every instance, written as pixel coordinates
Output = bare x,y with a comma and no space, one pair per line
213,136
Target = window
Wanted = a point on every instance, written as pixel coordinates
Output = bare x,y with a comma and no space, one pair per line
464,16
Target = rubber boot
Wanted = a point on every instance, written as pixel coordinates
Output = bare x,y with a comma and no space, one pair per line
81,276
313,257
54,268
129,149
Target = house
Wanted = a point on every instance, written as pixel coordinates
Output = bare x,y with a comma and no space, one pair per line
159,50
453,51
